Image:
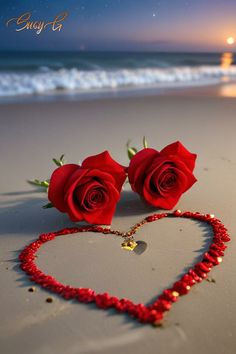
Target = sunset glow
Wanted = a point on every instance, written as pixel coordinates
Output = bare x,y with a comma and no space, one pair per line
230,40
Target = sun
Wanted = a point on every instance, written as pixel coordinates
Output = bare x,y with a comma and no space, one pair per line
230,40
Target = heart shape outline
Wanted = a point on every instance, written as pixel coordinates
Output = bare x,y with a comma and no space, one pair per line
154,313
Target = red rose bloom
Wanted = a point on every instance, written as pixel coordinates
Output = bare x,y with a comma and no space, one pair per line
88,192
162,177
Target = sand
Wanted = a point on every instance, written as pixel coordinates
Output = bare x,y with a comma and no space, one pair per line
30,135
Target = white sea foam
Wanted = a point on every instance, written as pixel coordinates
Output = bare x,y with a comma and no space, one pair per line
70,80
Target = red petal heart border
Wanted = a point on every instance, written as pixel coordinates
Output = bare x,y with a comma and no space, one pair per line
152,314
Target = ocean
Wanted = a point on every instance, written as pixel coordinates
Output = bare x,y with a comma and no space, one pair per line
43,73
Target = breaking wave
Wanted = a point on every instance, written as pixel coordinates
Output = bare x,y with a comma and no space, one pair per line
71,80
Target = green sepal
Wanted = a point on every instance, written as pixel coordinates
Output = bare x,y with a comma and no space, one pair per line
145,144
48,205
37,182
59,162
131,151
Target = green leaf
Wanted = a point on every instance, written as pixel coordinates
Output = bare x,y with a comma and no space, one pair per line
48,205
145,144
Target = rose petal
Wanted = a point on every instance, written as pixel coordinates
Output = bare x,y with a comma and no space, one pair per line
138,165
179,150
167,181
81,192
176,163
169,198
104,162
104,215
57,183
96,198
157,174
74,210
161,198
101,176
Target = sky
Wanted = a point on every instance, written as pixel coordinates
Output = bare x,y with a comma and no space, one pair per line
122,25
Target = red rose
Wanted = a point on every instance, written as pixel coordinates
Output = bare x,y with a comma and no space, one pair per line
88,192
162,177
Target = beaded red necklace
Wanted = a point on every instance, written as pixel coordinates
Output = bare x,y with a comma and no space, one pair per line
153,313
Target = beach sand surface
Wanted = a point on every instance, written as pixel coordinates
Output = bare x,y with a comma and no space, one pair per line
30,135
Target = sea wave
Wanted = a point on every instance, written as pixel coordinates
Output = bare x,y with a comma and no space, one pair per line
70,80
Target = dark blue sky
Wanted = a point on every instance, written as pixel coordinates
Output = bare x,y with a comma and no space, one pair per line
168,25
